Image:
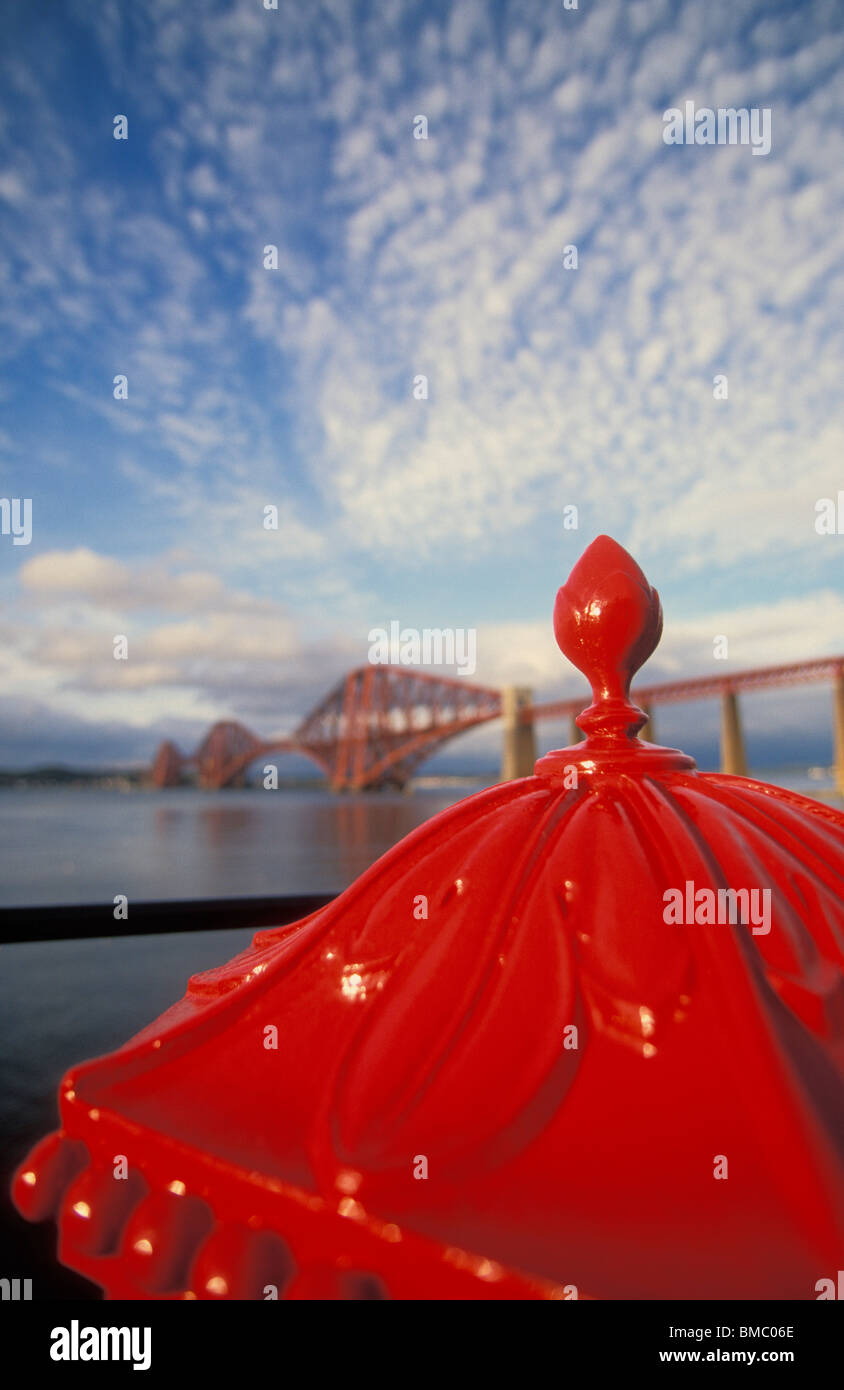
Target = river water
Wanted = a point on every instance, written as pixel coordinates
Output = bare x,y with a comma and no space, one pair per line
71,845
85,845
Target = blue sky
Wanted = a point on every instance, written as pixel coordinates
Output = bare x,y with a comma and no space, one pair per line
397,256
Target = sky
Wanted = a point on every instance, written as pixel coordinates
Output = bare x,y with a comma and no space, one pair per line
549,386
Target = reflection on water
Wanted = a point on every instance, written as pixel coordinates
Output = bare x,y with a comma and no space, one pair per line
70,845
74,846
217,824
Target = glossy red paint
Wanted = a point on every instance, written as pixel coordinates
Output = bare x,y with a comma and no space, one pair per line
429,1124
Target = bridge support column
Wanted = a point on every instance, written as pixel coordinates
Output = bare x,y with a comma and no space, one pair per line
838,697
733,759
647,733
576,731
519,751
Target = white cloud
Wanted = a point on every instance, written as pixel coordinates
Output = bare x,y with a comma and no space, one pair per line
467,26
103,580
196,647
12,187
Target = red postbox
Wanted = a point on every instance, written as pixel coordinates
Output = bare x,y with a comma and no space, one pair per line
579,1035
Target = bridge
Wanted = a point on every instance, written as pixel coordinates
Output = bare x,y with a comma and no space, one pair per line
377,725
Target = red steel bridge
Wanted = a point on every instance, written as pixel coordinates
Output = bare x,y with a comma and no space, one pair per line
379,723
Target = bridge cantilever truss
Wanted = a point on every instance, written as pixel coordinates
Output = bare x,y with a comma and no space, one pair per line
377,724
372,730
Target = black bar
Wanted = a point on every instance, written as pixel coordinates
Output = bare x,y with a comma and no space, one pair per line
21,924
224,1337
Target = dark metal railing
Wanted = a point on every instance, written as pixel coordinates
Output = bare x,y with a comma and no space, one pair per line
21,924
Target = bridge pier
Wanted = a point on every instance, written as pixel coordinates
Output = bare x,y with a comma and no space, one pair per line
838,711
647,733
518,754
733,758
576,731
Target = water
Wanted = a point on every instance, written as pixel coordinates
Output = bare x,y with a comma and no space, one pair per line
85,845
81,845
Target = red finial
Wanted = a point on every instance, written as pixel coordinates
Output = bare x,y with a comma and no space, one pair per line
608,621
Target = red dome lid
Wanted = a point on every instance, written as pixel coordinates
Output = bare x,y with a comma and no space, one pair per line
578,1036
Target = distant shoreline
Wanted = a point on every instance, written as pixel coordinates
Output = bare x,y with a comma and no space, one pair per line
138,780
810,780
